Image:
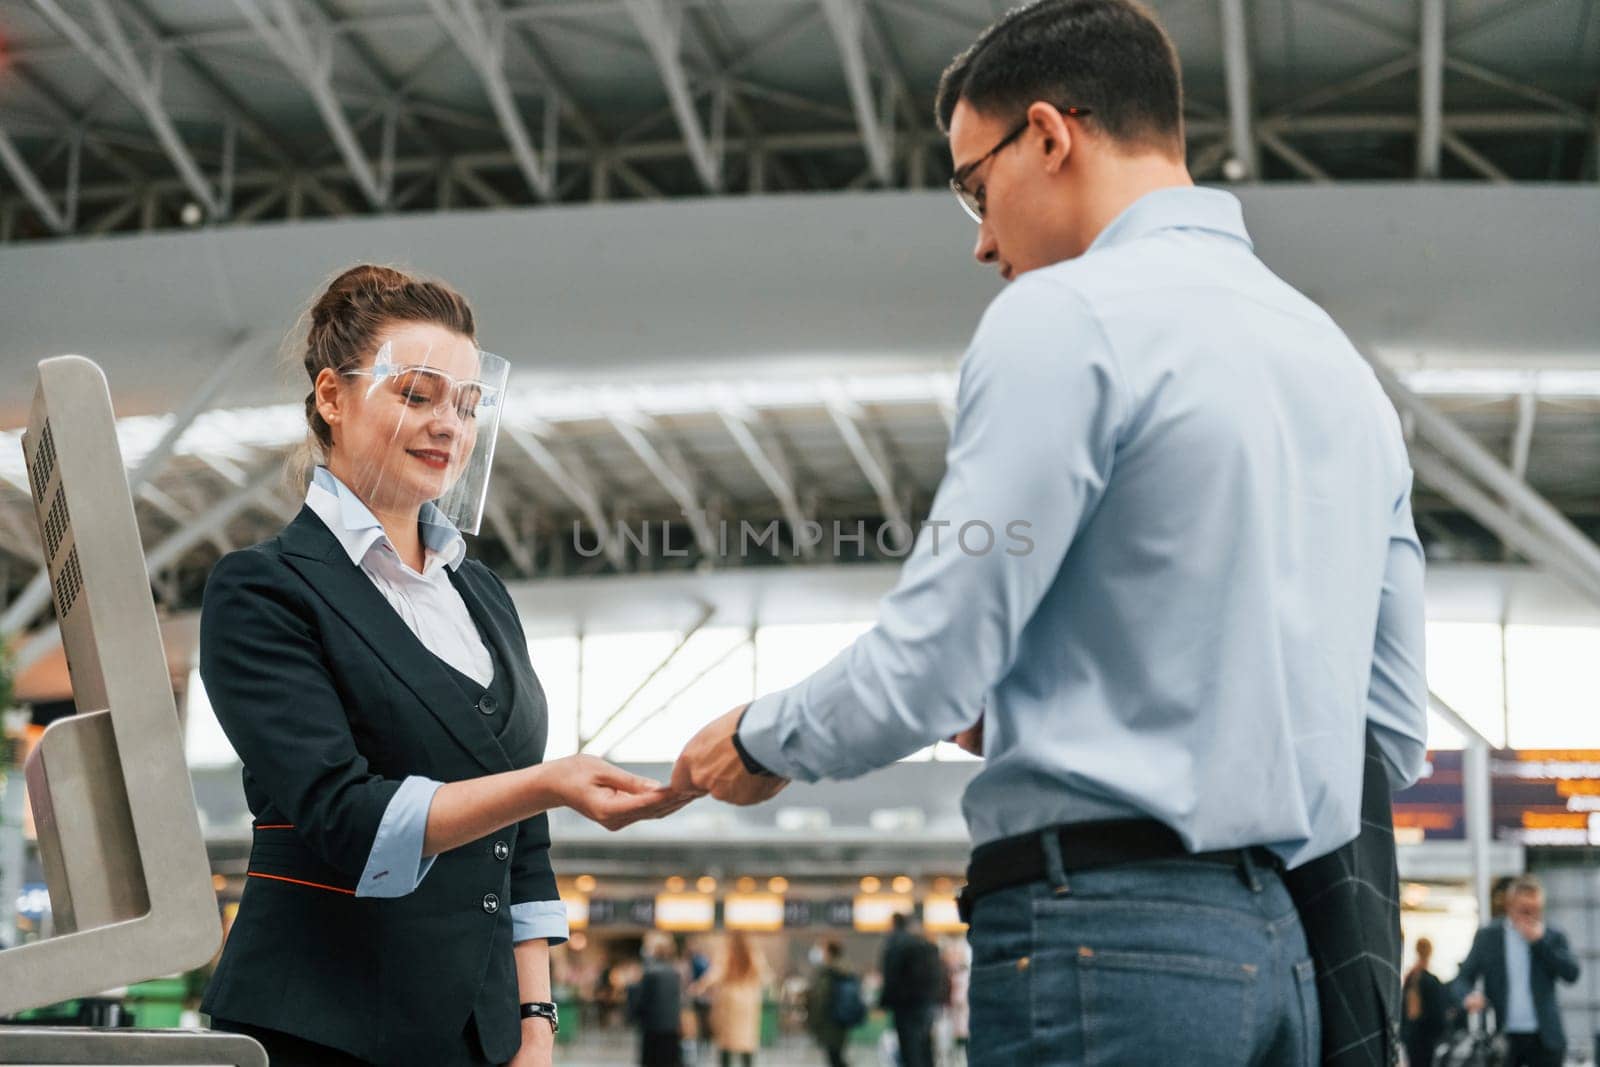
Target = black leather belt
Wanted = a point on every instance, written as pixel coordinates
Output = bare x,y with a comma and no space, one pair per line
1085,846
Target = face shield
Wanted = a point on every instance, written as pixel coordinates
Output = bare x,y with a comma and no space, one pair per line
422,431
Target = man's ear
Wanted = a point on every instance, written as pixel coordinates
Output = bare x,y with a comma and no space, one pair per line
1053,132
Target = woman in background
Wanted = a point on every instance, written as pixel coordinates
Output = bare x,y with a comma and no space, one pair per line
736,984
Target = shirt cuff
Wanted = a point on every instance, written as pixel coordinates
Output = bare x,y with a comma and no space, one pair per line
759,737
395,866
535,920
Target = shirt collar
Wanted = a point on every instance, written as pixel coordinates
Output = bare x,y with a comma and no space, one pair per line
1179,208
358,530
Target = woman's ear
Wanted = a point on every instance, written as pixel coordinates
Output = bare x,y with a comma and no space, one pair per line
328,396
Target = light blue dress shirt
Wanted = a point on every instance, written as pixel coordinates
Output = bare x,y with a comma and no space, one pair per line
1521,1018
396,866
1204,579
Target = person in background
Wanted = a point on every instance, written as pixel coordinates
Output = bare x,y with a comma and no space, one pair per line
655,1004
834,1002
958,966
735,984
1519,960
1425,1008
1497,895
699,965
913,981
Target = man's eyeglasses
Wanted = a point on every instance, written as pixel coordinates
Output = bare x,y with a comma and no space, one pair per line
971,199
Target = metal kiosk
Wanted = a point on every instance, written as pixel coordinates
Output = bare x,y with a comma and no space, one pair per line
119,835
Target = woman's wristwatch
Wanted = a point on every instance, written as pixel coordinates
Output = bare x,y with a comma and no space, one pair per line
543,1009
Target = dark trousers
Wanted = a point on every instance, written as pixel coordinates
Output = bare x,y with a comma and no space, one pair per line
1420,1047
659,1050
1527,1050
745,1058
834,1050
914,1027
286,1050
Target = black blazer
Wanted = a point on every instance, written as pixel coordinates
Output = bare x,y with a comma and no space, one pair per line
1349,904
331,701
1550,958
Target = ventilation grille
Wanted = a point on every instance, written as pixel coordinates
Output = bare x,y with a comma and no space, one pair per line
69,583
44,463
55,525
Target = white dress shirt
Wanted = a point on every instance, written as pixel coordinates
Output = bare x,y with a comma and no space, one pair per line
432,608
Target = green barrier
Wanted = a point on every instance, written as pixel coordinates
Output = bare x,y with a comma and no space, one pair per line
769,1023
871,1031
158,1003
571,1012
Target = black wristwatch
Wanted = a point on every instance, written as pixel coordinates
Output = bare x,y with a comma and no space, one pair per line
543,1009
751,764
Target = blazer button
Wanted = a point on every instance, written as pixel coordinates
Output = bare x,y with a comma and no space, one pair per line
488,705
491,903
502,851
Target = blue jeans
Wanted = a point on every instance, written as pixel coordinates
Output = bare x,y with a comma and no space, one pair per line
1159,963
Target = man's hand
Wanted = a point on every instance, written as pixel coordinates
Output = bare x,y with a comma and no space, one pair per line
1532,930
710,764
538,1045
611,796
1475,1002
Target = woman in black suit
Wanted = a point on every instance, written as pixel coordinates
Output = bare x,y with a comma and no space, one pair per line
400,903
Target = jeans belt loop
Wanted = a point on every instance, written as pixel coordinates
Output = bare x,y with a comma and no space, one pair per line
1247,871
1055,871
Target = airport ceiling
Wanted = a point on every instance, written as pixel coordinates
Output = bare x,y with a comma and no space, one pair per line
120,115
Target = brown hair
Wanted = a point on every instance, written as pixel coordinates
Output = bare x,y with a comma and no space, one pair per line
740,964
356,305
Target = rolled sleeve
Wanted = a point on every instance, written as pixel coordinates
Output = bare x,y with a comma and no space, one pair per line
539,920
396,866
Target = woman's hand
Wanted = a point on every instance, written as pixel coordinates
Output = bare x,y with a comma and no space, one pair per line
609,795
538,1045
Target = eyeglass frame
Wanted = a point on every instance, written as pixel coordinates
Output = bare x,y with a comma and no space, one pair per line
968,198
489,393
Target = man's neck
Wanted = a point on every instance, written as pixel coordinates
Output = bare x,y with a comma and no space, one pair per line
1120,182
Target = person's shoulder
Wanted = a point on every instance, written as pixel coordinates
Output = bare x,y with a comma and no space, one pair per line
262,562
1051,294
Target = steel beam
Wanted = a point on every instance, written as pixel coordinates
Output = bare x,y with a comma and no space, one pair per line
1240,82
770,465
482,40
662,30
282,27
30,185
847,22
669,469
847,418
116,61
1430,101
575,484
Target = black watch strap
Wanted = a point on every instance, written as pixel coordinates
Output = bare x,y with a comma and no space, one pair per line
751,764
543,1009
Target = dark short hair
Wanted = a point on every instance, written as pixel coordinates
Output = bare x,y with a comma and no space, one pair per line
833,950
1110,57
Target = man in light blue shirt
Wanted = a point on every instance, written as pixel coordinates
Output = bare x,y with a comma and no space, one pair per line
1177,570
